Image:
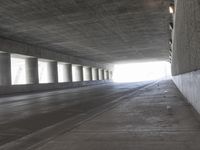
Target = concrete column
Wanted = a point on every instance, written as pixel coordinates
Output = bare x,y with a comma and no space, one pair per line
102,74
80,70
105,75
68,72
53,72
95,74
5,69
87,73
90,73
32,70
110,75
99,74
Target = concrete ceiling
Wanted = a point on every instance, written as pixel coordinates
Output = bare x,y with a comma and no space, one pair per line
101,30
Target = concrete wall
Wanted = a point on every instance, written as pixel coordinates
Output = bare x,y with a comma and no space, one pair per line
32,54
101,74
11,46
32,70
53,73
189,85
5,90
186,50
68,72
186,39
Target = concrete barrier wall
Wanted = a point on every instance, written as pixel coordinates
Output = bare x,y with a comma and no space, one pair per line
189,85
186,50
186,37
5,90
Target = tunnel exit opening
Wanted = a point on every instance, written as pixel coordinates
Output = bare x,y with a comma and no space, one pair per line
145,71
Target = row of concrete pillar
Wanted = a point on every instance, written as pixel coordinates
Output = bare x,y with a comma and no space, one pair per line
72,73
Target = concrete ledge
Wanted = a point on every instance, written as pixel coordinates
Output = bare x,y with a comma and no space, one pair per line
189,85
14,89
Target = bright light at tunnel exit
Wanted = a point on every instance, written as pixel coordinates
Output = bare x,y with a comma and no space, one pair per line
146,71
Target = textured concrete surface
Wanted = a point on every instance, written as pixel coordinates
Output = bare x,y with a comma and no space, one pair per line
77,73
68,72
110,117
11,46
5,69
189,85
186,45
32,70
5,90
101,74
29,115
186,49
95,74
53,72
87,74
98,30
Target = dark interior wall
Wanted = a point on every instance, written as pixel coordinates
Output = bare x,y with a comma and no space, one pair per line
186,39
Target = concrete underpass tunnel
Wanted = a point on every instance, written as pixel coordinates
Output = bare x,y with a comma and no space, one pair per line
50,47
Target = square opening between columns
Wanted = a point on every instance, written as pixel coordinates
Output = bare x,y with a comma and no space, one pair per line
18,70
64,72
44,71
87,73
77,73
